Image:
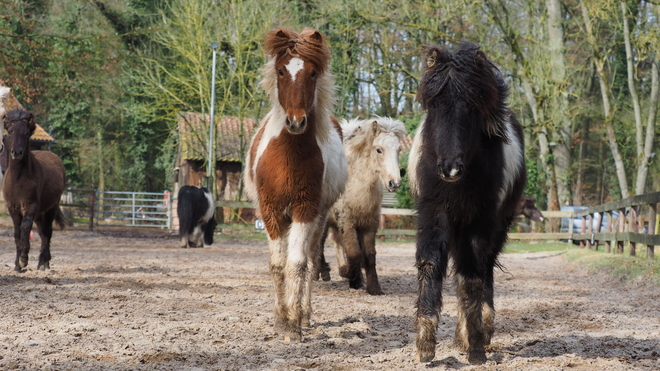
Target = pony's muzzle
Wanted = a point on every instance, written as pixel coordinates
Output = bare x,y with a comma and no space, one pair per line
393,185
16,154
295,125
450,171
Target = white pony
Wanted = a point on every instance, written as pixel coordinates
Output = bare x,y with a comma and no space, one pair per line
372,149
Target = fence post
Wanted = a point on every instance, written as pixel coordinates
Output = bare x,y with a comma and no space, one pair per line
590,229
633,228
608,229
133,208
583,230
651,230
92,201
599,222
621,229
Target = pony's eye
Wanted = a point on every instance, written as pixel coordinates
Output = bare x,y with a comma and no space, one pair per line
380,151
314,73
280,72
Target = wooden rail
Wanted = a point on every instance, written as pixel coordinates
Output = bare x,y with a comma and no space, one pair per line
626,230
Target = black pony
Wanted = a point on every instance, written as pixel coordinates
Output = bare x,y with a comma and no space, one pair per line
195,208
467,170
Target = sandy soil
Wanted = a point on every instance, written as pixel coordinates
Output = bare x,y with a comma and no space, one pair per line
118,301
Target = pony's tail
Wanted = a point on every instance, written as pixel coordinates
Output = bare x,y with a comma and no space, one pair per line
185,213
60,219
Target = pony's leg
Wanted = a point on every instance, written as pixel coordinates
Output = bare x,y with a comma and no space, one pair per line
354,256
296,273
340,252
368,244
431,261
196,240
321,267
317,239
488,310
26,228
184,239
17,219
471,268
45,230
277,248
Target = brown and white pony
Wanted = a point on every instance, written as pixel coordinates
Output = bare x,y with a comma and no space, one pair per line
296,167
372,149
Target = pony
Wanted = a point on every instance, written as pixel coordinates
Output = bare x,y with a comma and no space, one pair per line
467,171
195,208
372,150
33,184
296,166
527,208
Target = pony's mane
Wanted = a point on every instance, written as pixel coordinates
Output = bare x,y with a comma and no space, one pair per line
467,75
357,133
308,45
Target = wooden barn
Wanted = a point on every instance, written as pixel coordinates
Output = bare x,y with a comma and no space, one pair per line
233,137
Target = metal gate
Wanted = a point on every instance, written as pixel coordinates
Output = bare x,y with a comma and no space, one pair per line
136,209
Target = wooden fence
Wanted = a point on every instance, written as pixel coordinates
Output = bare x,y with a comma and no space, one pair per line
625,224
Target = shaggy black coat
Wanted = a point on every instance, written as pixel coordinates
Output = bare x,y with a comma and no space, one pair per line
470,175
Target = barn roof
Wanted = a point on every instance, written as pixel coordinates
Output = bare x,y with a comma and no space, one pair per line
193,134
9,102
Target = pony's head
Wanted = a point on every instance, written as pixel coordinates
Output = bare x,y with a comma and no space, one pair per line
20,125
379,140
297,63
464,96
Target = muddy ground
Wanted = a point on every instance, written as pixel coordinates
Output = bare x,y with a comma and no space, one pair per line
118,300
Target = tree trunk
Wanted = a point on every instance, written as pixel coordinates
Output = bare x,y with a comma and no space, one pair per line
631,82
604,90
643,167
584,144
562,152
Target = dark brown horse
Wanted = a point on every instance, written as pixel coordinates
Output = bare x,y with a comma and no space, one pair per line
33,184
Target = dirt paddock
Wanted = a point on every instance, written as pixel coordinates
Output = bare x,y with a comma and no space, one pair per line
122,300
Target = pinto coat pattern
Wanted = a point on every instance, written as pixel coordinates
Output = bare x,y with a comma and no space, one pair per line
296,167
468,173
196,209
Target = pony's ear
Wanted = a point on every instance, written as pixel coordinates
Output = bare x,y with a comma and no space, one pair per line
316,36
435,55
6,123
375,127
32,124
277,41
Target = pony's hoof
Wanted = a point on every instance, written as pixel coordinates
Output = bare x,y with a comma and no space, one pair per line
477,357
41,268
19,269
293,337
424,357
375,291
22,263
325,276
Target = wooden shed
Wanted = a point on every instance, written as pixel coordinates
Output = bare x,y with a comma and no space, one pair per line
233,137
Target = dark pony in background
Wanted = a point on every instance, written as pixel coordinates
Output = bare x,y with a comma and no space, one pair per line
468,172
33,184
195,208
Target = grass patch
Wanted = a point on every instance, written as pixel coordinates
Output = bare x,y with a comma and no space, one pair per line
620,266
526,246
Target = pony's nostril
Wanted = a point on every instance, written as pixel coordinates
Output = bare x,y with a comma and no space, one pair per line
288,120
303,121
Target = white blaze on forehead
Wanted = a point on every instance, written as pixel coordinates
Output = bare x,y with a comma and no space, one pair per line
294,66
